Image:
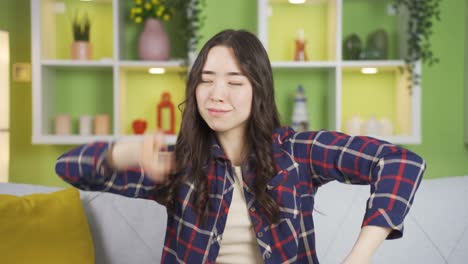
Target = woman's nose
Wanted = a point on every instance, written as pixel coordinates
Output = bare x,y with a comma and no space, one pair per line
217,93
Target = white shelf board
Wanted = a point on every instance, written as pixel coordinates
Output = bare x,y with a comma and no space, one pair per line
400,139
77,63
307,2
373,63
304,64
138,65
70,140
169,139
77,139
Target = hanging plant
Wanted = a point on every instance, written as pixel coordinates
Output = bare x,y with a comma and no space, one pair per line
193,21
420,22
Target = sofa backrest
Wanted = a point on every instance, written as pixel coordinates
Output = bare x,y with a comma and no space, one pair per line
124,230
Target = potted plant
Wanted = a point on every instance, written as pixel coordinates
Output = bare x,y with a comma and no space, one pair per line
81,48
153,42
420,21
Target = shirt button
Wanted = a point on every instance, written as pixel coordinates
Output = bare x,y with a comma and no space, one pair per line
260,234
252,209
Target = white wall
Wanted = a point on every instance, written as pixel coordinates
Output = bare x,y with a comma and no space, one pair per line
4,105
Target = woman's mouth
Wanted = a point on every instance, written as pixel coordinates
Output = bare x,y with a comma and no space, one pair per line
217,112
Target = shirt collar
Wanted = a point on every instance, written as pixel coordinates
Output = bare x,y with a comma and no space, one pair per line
217,151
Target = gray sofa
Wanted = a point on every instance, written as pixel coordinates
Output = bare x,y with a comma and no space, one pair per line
127,230
124,230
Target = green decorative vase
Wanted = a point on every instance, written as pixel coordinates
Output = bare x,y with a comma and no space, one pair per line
352,47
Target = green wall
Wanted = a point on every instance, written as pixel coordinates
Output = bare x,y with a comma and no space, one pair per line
29,163
442,90
442,106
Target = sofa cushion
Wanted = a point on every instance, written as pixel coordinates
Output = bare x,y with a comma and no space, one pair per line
44,228
124,230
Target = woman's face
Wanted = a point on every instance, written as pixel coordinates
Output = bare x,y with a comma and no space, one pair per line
224,95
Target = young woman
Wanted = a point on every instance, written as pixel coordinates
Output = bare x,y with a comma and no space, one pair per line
239,188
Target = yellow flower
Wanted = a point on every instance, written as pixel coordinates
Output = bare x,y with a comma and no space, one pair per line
138,2
147,6
162,8
155,1
138,20
166,17
138,10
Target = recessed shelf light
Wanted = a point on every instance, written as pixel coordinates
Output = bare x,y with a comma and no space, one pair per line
296,2
369,70
157,70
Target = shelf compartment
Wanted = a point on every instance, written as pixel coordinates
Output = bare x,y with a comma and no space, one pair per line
362,17
317,83
140,93
318,20
385,94
56,35
75,92
130,31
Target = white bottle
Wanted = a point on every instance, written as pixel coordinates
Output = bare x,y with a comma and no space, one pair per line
386,127
372,127
300,120
353,125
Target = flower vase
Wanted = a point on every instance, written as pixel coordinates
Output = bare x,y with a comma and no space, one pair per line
153,43
81,50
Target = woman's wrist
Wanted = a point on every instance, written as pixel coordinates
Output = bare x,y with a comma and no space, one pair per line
109,157
124,154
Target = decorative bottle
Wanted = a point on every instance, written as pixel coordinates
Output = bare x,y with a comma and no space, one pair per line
166,104
300,54
300,120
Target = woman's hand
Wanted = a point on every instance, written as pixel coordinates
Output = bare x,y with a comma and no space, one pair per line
156,162
150,154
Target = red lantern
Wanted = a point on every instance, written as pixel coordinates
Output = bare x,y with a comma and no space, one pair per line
166,103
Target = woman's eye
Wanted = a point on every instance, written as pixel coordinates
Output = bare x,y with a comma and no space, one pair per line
235,83
205,81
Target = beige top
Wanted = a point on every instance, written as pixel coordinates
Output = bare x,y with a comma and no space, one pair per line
239,243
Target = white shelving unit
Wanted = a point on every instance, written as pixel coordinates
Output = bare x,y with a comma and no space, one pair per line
48,64
408,108
114,69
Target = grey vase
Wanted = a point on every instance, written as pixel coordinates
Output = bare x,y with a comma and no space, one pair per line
377,44
153,43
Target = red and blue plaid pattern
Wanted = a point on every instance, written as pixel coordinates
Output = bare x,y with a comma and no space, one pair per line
305,161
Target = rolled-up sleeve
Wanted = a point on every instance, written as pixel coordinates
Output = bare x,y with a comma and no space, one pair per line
86,167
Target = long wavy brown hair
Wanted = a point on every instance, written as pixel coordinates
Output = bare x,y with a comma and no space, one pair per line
194,141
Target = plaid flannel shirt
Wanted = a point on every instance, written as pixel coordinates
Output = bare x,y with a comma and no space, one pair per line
304,161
